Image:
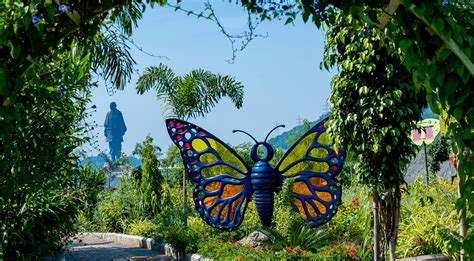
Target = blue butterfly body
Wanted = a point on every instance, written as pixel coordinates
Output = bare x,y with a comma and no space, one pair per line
225,183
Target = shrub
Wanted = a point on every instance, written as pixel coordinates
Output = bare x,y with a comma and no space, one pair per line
353,219
151,178
90,182
117,208
285,219
302,236
44,222
428,219
143,227
346,250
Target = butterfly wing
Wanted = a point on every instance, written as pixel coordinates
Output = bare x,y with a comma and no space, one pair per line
222,178
314,163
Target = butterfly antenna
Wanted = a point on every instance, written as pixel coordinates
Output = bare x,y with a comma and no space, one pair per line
234,131
282,126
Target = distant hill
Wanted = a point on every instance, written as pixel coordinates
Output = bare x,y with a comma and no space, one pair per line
281,141
98,162
427,113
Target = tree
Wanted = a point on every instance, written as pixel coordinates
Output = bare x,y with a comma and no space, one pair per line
436,38
152,179
191,95
439,153
373,112
49,54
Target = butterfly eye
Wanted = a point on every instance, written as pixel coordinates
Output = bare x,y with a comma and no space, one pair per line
262,151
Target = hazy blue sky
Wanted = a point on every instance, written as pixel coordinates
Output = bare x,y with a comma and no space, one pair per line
280,73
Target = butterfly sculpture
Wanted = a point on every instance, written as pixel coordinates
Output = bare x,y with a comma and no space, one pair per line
224,183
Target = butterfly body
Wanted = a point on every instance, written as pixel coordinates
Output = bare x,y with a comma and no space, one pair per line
224,183
264,185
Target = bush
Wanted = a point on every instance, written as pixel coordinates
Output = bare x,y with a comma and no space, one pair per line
285,219
90,182
151,178
45,220
144,228
428,219
354,216
118,208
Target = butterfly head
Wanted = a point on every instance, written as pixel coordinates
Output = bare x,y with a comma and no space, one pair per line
261,151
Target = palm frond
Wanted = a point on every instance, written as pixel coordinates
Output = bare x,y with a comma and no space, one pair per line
126,17
112,59
190,96
161,78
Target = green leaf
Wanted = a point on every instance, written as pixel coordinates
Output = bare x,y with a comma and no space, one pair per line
14,50
443,54
305,16
405,44
398,93
438,24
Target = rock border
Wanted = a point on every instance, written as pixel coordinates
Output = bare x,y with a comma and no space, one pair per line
148,243
168,250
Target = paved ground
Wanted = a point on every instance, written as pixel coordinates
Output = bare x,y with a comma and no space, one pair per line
91,247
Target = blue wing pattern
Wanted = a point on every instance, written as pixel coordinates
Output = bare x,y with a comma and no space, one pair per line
222,179
313,162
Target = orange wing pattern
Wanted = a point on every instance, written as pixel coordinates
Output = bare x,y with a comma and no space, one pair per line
313,163
222,178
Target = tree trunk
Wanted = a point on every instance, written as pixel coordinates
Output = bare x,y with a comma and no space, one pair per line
185,197
376,205
395,220
462,227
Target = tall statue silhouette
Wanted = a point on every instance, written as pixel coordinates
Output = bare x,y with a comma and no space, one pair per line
114,130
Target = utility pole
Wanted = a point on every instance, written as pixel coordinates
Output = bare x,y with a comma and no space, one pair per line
299,120
426,161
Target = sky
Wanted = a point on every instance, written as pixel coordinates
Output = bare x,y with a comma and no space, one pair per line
280,74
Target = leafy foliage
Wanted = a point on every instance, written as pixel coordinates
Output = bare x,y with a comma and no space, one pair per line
429,220
436,42
89,183
438,152
151,180
48,54
117,208
374,109
37,160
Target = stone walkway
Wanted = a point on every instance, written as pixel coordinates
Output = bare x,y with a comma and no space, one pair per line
91,247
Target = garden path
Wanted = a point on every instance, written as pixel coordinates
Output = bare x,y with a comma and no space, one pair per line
91,247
